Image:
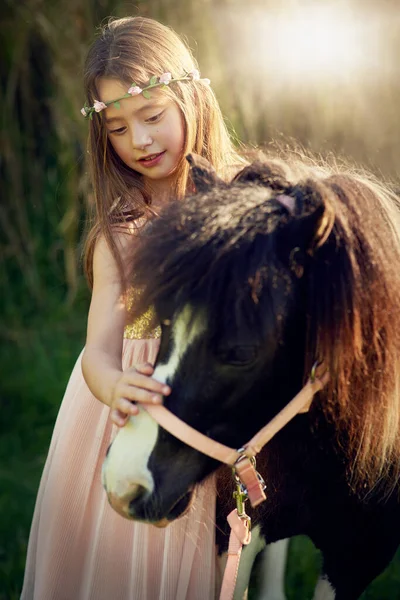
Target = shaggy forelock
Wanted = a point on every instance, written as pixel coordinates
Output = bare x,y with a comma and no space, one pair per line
207,250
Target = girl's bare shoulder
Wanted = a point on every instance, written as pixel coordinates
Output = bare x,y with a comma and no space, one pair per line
124,239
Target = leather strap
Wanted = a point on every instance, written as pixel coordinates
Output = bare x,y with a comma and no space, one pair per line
190,436
300,403
240,536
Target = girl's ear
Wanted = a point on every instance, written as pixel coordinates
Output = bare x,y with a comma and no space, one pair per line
203,174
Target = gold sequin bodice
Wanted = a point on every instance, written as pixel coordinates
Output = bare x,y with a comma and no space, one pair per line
141,328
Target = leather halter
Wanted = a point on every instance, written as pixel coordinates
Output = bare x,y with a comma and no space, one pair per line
242,460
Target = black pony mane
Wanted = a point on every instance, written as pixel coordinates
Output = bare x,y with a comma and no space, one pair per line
216,248
211,253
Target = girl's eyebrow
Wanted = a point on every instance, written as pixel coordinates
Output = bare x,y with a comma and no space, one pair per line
150,106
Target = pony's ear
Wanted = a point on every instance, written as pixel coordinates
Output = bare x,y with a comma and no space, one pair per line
313,219
262,174
314,228
203,174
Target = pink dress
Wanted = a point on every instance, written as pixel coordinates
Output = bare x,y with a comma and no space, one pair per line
79,548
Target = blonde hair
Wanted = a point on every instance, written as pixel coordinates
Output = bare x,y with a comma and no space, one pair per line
361,349
135,49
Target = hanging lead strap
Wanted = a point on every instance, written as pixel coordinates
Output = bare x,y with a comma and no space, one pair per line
240,536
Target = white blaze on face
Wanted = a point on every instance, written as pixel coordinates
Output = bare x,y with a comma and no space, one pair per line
184,332
125,466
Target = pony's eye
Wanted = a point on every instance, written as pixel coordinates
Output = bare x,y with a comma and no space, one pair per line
238,356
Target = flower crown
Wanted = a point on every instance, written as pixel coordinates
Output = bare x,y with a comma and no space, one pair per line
164,80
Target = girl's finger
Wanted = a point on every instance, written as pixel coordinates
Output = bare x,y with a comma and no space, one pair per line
145,368
147,383
126,406
138,394
118,418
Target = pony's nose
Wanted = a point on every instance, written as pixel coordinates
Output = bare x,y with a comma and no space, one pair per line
138,500
124,505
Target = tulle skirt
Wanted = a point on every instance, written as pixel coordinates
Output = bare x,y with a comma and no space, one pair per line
79,548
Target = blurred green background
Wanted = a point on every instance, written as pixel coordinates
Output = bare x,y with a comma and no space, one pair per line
321,74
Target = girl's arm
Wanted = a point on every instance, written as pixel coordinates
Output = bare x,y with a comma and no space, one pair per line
102,357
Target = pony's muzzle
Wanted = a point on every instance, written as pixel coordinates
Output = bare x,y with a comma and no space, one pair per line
125,474
124,505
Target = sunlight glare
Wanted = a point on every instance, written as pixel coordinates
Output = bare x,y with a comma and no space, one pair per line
314,42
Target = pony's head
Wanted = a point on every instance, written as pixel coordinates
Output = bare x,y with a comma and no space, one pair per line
253,281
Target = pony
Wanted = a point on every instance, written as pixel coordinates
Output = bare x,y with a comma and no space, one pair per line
253,281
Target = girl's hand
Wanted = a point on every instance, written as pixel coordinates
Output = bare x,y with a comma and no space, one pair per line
135,385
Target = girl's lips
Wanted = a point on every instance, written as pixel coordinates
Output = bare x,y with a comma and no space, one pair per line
152,161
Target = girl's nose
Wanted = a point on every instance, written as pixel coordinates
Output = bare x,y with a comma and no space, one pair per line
141,138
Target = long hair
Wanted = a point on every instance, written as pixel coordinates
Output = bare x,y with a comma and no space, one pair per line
353,295
353,316
354,301
135,49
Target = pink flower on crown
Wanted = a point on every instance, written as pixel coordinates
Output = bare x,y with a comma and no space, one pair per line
83,111
134,90
195,74
165,78
99,106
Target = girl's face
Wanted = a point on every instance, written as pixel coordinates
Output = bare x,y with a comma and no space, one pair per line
148,135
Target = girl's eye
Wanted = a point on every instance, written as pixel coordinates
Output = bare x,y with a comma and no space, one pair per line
118,131
155,118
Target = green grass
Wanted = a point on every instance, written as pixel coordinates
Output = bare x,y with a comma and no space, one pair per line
303,566
36,362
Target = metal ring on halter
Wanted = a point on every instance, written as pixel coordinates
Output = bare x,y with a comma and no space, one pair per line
242,452
261,480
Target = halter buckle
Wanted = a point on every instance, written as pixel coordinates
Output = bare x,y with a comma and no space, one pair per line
248,480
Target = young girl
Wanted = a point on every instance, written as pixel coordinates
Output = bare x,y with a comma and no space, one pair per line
147,107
